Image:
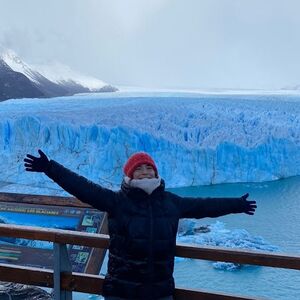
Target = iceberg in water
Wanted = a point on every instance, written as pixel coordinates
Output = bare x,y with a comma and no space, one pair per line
195,138
218,235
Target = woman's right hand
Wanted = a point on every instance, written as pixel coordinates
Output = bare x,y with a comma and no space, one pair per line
36,164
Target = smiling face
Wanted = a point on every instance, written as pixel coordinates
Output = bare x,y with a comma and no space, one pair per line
144,171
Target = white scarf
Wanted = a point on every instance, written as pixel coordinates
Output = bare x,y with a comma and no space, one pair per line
146,184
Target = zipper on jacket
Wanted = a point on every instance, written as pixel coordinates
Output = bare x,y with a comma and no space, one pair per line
151,269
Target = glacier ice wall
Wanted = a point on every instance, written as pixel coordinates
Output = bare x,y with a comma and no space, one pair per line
194,138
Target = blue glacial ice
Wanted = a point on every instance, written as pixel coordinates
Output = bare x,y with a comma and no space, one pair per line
217,235
195,138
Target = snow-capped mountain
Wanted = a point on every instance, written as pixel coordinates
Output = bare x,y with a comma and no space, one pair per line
16,85
21,80
292,87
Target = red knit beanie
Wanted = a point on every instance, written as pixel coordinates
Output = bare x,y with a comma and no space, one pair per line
136,160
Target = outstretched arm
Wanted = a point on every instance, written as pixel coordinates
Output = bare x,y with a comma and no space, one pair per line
215,207
80,187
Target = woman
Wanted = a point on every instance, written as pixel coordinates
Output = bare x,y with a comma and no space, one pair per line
142,221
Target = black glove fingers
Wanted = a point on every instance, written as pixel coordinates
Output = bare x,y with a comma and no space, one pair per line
30,161
249,206
36,164
251,202
245,196
28,168
42,154
31,156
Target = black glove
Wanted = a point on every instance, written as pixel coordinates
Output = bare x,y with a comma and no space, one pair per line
36,164
248,207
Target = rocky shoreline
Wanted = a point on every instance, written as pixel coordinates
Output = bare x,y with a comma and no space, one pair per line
16,291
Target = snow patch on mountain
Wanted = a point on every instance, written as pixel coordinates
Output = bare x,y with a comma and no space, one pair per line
18,65
60,74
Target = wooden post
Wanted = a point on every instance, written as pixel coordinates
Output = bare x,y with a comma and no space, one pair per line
61,264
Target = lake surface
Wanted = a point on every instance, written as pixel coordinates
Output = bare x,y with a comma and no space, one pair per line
276,221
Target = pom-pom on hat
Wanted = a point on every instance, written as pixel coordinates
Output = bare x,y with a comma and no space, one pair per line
136,160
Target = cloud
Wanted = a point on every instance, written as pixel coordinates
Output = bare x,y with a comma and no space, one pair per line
164,43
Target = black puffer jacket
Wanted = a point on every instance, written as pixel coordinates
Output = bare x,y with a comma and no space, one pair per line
142,231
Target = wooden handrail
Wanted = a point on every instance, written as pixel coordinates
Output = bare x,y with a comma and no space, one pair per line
95,240
87,283
182,250
259,258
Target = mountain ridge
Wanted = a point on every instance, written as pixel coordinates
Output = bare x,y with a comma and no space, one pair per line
20,80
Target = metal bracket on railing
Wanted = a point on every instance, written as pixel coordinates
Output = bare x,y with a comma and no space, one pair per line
61,264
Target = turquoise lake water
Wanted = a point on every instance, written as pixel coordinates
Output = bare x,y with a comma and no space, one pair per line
276,221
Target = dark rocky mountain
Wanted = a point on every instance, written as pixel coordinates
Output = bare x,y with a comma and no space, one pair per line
16,85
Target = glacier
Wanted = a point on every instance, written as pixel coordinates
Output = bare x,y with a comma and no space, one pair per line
196,138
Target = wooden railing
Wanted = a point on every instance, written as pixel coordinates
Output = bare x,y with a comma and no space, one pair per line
69,281
65,281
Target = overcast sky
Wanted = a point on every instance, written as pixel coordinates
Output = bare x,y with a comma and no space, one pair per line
161,43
